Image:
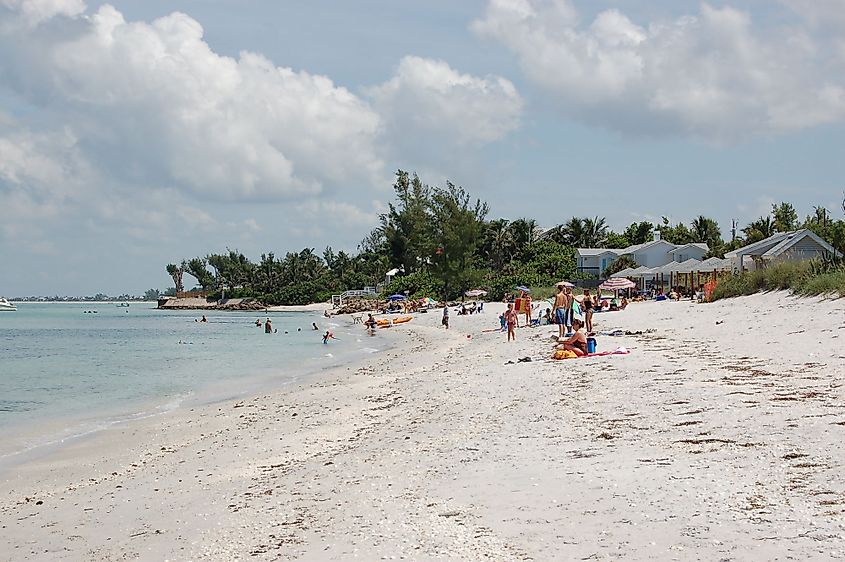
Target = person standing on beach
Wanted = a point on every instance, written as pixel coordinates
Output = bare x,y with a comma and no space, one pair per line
527,305
560,311
588,310
445,320
512,320
570,304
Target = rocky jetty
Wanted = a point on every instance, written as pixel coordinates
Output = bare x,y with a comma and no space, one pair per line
197,303
357,306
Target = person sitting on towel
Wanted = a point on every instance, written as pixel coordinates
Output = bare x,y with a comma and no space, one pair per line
577,343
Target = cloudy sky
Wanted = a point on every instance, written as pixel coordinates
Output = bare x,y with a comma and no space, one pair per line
137,133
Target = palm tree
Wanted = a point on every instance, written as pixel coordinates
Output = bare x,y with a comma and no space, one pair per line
523,233
176,273
758,230
572,232
595,232
706,230
498,242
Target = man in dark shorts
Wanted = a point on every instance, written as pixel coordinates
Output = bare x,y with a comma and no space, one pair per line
560,311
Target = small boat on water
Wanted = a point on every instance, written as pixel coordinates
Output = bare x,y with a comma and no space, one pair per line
122,305
6,305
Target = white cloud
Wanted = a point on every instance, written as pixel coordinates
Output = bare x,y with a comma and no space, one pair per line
33,12
134,134
179,114
49,190
712,74
154,105
428,96
821,13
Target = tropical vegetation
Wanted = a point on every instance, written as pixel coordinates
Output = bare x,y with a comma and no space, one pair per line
442,242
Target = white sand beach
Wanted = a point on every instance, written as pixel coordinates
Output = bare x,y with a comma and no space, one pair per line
314,307
719,437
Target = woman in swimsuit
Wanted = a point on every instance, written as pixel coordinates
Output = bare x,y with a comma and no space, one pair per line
577,343
588,310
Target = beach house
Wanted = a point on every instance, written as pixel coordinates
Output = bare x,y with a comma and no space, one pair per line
797,245
651,254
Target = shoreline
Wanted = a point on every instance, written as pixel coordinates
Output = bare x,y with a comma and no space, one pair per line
313,307
34,441
719,435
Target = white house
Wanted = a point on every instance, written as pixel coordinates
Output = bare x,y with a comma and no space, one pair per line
797,245
391,275
595,260
651,254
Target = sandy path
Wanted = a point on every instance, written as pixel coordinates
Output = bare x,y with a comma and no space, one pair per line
709,441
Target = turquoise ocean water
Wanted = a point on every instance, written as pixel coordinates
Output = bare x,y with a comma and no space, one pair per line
65,373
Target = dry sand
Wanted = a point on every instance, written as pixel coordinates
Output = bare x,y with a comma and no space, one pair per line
314,307
709,441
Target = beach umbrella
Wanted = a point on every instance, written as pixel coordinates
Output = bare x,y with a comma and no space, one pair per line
617,284
565,284
396,298
523,288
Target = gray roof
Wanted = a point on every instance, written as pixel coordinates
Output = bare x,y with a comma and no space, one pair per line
772,240
714,264
797,236
591,252
598,251
624,273
699,245
642,271
687,266
670,267
778,243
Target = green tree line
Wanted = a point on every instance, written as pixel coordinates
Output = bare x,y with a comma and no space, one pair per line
442,241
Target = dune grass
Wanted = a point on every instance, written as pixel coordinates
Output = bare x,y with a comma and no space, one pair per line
803,278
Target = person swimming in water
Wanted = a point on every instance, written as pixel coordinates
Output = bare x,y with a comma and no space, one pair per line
327,336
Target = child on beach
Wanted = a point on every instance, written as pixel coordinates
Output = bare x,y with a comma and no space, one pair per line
512,319
502,322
